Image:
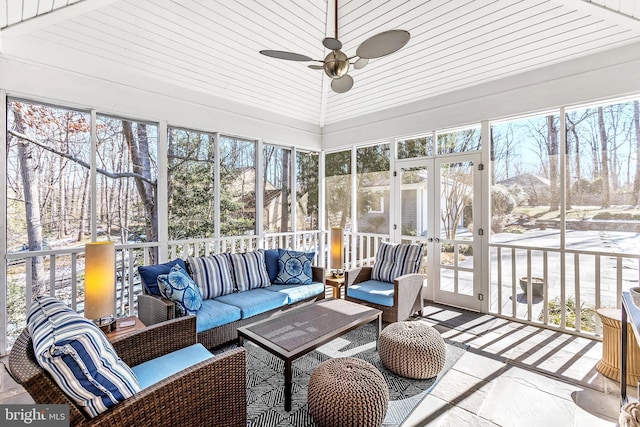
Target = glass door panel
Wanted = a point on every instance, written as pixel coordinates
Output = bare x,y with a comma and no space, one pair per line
457,183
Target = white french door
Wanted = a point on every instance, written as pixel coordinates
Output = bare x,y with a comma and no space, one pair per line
438,201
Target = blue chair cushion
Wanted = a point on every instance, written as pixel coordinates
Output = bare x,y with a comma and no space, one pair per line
162,367
213,313
294,267
393,261
79,357
249,270
271,261
255,301
149,274
297,293
373,291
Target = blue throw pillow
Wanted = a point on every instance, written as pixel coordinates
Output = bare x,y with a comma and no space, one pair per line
79,357
271,257
149,274
294,267
178,287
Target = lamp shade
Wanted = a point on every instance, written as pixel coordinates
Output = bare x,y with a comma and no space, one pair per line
337,248
99,280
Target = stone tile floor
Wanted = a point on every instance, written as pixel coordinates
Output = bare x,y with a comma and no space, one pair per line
512,375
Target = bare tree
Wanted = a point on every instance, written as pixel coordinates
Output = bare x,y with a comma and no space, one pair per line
606,196
31,201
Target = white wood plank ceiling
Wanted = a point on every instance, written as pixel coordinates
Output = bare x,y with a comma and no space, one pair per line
212,46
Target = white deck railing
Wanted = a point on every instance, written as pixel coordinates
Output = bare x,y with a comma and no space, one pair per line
579,280
64,271
575,281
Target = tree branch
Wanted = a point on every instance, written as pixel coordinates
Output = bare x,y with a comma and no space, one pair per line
80,162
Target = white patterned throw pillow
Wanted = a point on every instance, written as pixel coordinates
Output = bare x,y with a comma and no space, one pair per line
393,261
79,357
178,287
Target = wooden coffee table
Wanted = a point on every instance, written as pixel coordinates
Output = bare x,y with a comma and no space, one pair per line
301,330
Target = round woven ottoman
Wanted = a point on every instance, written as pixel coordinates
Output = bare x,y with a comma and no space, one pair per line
412,350
347,392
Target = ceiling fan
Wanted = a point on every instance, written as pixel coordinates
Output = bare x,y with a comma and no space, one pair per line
336,64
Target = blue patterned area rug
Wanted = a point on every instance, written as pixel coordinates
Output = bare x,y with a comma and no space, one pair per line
265,380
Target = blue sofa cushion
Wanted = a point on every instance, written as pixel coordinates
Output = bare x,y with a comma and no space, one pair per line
79,357
294,267
213,313
393,261
271,261
249,270
298,292
149,274
212,274
178,287
373,291
162,367
255,301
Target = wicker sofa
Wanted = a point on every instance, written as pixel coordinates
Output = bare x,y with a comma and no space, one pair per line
153,309
212,392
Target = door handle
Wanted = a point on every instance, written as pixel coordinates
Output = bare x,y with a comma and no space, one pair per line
430,239
437,240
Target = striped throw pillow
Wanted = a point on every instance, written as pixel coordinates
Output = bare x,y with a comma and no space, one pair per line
212,275
249,270
79,357
393,261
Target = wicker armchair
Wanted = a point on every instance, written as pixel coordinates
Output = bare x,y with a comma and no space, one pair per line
407,294
212,392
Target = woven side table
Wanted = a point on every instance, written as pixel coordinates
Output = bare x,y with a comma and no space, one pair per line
347,392
609,365
412,350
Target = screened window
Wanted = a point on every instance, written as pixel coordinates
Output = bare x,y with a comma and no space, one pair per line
603,176
191,178
277,189
126,184
525,181
373,189
421,146
307,172
338,189
459,141
237,186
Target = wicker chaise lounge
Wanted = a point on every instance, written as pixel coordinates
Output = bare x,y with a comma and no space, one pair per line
211,393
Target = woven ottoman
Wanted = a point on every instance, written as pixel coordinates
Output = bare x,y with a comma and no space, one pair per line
412,350
347,392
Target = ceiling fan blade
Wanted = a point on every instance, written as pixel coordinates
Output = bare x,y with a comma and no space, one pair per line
289,56
360,63
383,44
332,43
343,84
316,67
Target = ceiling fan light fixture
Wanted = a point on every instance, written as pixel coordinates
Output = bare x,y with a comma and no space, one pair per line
336,64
